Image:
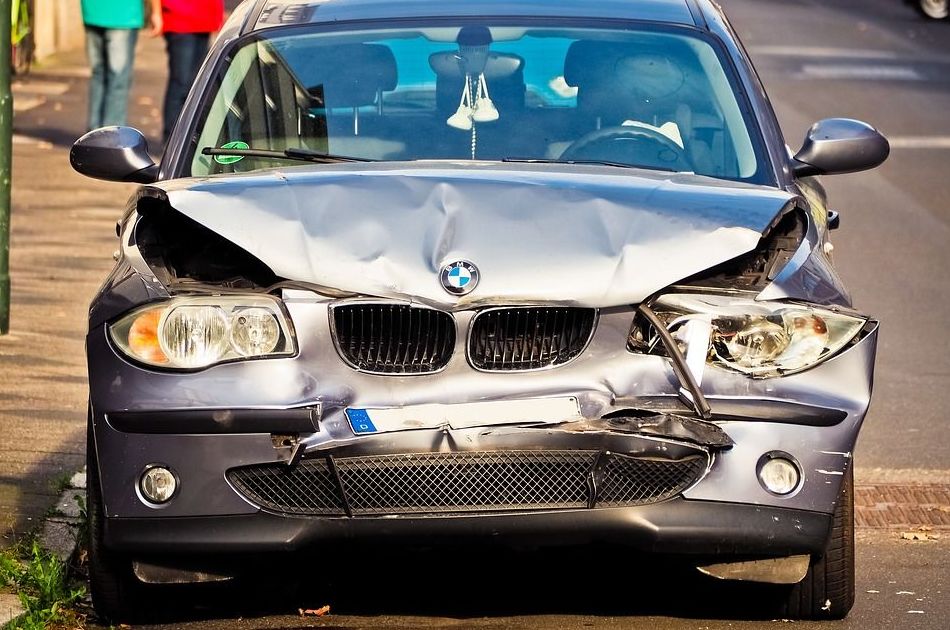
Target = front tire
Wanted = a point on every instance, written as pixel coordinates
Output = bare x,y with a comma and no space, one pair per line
827,591
114,588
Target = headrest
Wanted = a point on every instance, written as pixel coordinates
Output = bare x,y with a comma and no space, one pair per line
349,75
588,61
649,76
627,68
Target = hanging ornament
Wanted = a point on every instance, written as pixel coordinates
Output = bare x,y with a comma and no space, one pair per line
484,110
462,118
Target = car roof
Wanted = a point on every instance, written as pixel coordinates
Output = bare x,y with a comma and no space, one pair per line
270,13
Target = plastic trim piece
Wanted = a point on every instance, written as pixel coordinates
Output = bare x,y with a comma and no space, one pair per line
187,421
678,526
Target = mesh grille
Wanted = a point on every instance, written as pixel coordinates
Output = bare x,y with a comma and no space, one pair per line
308,488
491,481
394,338
529,338
635,481
461,482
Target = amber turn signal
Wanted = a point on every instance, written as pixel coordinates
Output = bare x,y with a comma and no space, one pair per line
143,337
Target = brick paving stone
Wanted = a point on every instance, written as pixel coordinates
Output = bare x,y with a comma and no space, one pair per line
902,506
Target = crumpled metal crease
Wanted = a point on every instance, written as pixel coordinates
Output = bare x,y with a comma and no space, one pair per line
578,238
672,426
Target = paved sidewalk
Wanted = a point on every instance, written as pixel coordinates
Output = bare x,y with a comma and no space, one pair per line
62,239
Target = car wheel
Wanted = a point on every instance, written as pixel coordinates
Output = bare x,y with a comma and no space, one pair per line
114,588
935,9
827,591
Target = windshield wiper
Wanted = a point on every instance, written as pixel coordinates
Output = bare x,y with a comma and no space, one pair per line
596,162
292,153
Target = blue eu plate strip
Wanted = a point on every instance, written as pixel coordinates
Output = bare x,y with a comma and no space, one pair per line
360,421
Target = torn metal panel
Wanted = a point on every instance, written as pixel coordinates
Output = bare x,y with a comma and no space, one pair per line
810,276
340,228
672,427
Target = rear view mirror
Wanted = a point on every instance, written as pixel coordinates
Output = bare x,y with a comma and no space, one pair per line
116,154
840,145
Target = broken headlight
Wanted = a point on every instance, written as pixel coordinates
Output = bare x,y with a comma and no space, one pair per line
191,333
760,339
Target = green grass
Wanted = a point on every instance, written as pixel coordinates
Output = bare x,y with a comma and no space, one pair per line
41,582
61,482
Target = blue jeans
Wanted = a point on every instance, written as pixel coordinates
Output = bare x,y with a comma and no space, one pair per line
186,52
111,53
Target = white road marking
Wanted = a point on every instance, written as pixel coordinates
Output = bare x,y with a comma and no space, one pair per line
860,72
919,142
822,51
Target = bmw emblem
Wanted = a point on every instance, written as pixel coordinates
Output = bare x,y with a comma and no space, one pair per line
459,277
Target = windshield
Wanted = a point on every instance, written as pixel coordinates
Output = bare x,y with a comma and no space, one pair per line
656,99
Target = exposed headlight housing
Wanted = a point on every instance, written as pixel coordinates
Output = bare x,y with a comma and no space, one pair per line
760,339
196,332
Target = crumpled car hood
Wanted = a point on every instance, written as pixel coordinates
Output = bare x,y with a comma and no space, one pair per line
537,234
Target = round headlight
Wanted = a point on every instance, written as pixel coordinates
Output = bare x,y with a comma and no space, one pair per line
194,336
158,484
779,475
759,341
808,338
254,331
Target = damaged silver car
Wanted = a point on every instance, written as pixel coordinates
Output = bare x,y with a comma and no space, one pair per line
477,271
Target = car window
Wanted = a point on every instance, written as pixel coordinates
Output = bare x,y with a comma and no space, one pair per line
652,99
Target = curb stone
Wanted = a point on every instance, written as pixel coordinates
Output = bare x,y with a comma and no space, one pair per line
59,537
10,608
61,529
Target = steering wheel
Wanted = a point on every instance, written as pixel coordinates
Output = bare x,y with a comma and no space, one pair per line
637,146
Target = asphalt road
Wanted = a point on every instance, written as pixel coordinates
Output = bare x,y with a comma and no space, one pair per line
874,60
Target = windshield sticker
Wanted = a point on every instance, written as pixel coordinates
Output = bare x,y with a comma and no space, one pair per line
231,159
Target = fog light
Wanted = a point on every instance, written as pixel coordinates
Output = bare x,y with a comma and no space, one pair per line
779,475
158,484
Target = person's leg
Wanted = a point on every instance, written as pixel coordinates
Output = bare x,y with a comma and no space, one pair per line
120,58
176,44
186,51
95,53
199,49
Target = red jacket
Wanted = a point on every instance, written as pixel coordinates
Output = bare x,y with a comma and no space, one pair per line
192,16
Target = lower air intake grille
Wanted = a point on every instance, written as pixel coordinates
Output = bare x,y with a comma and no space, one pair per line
394,338
632,480
465,482
528,338
309,488
490,481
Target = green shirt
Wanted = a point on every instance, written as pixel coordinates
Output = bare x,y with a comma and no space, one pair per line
114,13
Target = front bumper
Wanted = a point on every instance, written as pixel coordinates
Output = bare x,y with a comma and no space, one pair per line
678,526
206,423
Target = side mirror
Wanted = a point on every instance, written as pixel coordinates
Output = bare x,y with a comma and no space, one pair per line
116,154
840,145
